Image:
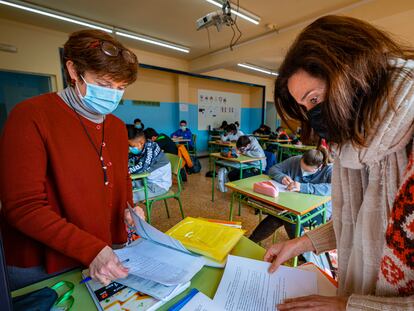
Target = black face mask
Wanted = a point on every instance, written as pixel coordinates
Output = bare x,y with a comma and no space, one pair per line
317,122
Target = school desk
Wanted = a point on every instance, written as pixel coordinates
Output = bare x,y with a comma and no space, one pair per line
144,177
292,207
292,150
180,140
242,162
206,281
217,145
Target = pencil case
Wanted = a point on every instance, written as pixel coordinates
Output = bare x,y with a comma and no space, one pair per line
266,188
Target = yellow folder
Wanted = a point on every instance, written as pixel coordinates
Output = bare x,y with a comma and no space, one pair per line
206,238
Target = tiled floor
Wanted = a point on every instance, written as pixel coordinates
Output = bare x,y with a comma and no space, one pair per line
196,199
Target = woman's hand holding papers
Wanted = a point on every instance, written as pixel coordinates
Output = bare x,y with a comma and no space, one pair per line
314,302
281,252
128,217
106,267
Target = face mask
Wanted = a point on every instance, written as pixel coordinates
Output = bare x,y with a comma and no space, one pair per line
102,100
135,150
317,122
138,126
305,173
183,128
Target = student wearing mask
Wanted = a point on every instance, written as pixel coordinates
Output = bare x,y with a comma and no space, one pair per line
65,198
184,132
147,156
249,146
281,133
139,125
263,130
231,133
166,144
359,96
309,173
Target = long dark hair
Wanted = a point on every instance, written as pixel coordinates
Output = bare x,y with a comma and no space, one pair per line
353,58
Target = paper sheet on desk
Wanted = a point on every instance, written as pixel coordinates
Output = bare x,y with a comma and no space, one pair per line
158,263
280,187
247,285
201,302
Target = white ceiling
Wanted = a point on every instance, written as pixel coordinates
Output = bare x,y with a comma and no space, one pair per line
174,21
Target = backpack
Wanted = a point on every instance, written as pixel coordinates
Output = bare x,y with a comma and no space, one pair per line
196,165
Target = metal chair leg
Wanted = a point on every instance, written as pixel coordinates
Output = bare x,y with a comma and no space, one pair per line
166,208
181,207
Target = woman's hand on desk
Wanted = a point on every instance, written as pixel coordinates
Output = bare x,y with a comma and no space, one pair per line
106,267
128,218
281,252
314,302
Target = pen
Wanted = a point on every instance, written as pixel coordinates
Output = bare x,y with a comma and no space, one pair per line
87,279
181,303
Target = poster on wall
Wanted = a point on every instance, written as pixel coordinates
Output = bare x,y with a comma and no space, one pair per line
215,107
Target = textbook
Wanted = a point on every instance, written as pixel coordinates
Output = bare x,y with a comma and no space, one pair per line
117,296
212,240
157,257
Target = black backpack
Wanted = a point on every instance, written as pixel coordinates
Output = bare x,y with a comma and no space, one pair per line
196,165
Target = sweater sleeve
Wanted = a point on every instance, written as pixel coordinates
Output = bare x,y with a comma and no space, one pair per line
323,238
279,170
359,302
318,189
23,168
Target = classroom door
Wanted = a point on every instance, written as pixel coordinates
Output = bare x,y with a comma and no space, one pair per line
16,87
271,116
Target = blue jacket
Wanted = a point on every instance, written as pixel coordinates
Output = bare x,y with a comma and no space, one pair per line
184,134
318,183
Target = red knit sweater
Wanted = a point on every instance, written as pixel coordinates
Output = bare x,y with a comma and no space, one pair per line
56,211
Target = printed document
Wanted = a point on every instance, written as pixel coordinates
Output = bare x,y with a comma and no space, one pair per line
247,285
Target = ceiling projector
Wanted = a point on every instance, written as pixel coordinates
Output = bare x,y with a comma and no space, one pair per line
217,19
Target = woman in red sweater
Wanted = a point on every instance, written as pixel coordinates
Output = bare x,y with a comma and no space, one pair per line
64,181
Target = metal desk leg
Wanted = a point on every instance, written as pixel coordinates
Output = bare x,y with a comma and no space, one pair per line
214,179
147,205
324,206
231,205
241,177
297,234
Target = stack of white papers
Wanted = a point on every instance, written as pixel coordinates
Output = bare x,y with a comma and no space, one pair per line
247,285
159,265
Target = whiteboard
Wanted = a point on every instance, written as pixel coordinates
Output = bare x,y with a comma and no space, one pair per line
215,107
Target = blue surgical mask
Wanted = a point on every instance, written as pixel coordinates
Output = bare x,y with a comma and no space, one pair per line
138,126
183,128
135,150
99,99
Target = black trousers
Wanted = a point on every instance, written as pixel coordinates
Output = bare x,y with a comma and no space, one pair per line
234,174
271,223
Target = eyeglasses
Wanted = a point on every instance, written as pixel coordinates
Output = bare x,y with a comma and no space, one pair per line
112,50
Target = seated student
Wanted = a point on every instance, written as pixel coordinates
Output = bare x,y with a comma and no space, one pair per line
147,156
308,173
138,124
237,124
185,133
231,133
281,133
223,126
263,130
166,144
248,146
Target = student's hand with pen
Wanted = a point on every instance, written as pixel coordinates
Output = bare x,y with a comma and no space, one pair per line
286,180
106,267
293,186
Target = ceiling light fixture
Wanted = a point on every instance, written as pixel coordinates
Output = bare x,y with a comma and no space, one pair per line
239,12
64,17
90,24
256,68
146,39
